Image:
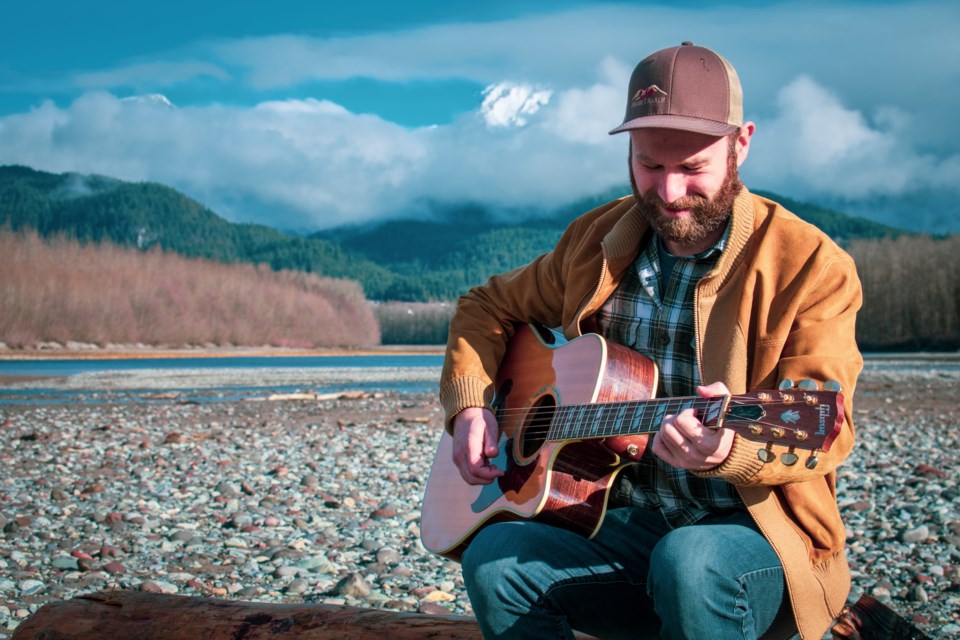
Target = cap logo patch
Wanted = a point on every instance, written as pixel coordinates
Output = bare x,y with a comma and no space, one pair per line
653,91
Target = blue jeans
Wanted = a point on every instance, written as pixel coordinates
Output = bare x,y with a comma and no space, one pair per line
637,578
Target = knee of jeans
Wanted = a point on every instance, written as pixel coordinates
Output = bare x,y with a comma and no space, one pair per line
683,562
484,557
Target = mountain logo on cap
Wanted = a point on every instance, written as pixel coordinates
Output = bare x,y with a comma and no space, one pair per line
653,91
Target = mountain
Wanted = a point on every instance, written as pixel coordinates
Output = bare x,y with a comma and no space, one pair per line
410,260
145,215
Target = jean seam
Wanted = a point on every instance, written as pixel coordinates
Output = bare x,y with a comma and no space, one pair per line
586,581
741,600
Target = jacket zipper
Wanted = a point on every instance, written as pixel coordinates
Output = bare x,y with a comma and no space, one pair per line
596,291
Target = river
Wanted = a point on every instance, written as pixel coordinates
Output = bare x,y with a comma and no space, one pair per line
211,378
206,379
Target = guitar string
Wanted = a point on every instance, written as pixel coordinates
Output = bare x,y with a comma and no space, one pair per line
605,421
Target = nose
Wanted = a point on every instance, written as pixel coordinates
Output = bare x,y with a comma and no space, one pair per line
672,186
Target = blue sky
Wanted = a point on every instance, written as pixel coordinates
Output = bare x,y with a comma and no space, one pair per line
304,115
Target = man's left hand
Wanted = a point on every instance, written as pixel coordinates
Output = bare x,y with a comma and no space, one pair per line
685,443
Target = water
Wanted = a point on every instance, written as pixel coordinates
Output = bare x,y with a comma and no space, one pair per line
208,379
64,367
57,381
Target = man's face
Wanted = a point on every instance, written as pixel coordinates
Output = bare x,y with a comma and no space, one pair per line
685,185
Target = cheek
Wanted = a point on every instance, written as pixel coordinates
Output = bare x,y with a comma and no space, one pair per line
706,185
644,179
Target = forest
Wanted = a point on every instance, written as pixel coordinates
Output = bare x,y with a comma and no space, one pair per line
410,270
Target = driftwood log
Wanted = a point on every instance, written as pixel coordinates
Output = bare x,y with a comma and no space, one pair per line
134,615
870,619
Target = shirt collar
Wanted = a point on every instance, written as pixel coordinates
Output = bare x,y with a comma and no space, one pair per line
711,252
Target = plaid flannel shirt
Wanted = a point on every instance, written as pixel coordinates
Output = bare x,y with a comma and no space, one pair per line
654,315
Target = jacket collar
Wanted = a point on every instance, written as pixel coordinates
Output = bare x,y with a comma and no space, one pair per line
624,240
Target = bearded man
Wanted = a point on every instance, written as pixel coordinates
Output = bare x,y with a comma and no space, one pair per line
702,537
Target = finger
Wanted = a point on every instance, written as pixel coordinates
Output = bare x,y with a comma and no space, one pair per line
665,450
688,425
475,435
491,438
712,390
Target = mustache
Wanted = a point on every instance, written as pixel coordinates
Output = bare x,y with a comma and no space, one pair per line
685,202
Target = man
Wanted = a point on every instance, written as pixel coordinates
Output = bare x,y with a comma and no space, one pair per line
702,539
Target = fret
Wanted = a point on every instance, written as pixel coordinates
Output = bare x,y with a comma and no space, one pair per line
581,426
558,425
593,418
712,412
617,420
641,421
659,411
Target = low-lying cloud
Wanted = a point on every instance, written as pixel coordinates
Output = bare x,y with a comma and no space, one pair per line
817,146
312,163
872,115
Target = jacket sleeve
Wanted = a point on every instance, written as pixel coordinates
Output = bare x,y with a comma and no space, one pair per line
820,345
485,320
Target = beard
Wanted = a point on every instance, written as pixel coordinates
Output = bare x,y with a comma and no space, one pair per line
707,214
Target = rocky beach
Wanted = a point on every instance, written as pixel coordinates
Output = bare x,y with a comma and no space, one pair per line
316,498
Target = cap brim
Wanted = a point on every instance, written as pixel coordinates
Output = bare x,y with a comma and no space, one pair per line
683,123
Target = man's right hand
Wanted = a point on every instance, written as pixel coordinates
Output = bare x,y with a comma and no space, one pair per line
475,436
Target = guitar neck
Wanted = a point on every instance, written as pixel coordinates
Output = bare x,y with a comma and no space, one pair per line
604,420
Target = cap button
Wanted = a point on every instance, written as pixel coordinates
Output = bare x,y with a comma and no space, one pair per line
686,43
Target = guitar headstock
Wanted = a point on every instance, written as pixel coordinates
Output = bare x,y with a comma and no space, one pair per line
799,417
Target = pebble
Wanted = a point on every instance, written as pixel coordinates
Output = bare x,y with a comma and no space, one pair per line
918,594
298,586
30,587
68,563
353,585
918,534
293,501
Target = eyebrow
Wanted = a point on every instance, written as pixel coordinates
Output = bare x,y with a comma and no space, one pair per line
693,161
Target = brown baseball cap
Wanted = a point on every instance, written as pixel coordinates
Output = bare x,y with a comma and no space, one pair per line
687,87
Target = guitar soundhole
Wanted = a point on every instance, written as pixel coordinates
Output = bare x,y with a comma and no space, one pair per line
536,426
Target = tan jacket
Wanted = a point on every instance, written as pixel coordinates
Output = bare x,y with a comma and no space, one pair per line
780,303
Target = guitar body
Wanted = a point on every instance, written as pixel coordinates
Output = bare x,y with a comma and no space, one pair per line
563,483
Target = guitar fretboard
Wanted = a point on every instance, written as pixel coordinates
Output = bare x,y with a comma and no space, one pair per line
603,420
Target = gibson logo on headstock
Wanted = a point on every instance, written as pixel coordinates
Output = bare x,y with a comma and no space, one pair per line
824,411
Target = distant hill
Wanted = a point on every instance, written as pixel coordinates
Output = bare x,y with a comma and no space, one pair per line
409,260
144,215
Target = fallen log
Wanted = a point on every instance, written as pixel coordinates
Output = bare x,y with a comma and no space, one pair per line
152,616
870,619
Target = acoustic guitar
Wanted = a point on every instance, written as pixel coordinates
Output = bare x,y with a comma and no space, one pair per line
572,416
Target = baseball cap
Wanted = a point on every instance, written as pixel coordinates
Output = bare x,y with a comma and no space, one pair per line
687,87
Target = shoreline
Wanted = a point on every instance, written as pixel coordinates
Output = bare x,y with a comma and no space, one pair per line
144,353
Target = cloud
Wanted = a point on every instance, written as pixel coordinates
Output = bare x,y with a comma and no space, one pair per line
313,163
507,104
851,118
817,146
144,75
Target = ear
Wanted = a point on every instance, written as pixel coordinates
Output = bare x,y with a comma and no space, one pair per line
743,141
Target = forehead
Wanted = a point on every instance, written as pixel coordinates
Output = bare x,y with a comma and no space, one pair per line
674,146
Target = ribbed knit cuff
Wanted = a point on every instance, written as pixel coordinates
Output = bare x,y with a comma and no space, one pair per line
461,393
740,466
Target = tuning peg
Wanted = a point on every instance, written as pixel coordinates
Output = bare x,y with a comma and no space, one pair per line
785,384
813,460
832,385
808,385
766,455
789,458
